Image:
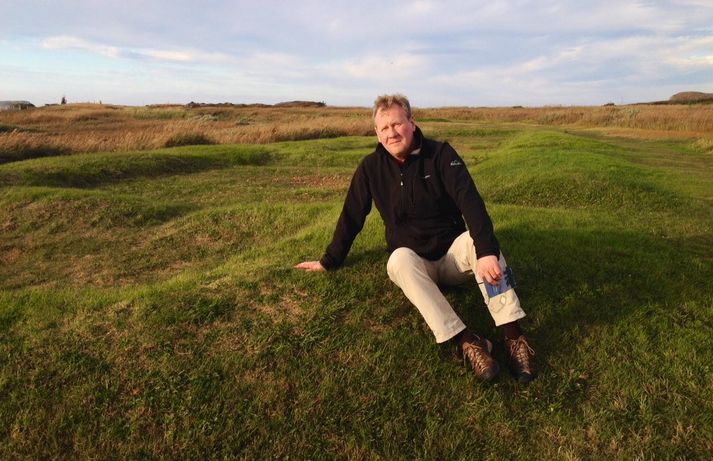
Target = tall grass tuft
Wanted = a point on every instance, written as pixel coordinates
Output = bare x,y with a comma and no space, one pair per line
188,139
705,144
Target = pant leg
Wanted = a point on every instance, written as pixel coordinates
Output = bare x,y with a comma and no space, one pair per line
460,264
417,277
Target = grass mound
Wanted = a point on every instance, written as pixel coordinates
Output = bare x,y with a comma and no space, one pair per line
93,170
553,169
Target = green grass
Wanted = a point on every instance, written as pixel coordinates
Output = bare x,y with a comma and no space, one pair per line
149,309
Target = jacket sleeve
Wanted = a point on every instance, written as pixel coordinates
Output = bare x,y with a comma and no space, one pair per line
460,186
357,206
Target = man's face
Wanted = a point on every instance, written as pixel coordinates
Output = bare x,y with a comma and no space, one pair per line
395,130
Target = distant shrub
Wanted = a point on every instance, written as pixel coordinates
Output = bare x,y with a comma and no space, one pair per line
205,118
301,104
157,113
188,139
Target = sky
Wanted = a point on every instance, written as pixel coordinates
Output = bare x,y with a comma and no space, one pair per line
345,53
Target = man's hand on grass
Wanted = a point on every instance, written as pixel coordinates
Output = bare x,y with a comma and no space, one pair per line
311,266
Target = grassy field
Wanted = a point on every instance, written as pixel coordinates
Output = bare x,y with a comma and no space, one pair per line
149,309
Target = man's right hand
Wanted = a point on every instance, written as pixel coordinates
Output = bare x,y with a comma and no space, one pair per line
311,266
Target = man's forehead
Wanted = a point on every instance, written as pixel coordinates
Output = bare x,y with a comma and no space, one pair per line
393,111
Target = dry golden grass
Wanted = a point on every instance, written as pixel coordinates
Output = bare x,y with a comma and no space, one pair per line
674,118
96,128
75,128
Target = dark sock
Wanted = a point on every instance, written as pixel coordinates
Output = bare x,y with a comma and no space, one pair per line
511,330
463,336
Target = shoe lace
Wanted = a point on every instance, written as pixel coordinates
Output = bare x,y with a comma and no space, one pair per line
475,354
521,350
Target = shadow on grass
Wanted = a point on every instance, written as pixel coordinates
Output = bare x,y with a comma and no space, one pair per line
568,279
21,152
572,280
93,170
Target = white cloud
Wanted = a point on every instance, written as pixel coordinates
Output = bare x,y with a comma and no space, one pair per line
422,7
379,68
66,42
166,55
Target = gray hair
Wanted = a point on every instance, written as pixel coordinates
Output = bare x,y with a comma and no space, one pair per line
387,100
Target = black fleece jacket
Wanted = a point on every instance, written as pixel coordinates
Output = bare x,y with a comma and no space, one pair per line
423,203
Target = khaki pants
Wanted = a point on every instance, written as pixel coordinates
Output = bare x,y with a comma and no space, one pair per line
418,278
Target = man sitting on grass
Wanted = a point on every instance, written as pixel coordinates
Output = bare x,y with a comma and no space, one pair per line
426,196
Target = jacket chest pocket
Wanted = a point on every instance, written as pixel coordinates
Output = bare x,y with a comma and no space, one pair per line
426,195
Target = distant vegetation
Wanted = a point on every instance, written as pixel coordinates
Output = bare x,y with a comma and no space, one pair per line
228,104
74,128
688,97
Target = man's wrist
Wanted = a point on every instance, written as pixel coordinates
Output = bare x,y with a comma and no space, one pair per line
327,263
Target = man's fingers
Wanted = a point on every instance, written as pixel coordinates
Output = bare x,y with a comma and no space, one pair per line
310,266
489,269
492,277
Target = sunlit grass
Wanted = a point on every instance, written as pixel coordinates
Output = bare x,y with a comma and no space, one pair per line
149,309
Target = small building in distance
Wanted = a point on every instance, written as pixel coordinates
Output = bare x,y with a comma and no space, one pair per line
15,105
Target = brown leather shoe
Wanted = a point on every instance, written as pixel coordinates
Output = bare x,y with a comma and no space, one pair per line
521,359
476,350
